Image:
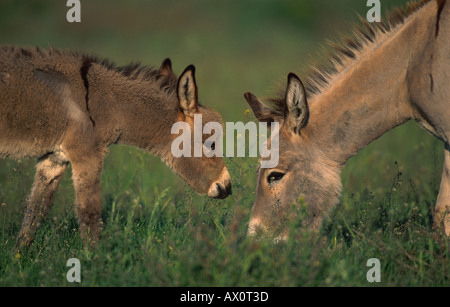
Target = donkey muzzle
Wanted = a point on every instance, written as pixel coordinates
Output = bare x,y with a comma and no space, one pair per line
221,188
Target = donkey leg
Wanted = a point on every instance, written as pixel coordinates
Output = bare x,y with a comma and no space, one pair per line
442,211
49,171
88,206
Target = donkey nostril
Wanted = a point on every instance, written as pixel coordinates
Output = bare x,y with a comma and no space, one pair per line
223,191
229,189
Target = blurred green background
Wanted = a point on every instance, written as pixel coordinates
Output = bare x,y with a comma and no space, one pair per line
236,46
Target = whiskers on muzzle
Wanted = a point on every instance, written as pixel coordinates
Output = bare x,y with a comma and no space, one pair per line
257,230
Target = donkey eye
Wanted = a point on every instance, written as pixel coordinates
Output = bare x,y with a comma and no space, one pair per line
274,177
210,145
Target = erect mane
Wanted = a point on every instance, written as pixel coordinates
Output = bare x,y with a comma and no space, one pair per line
134,70
348,48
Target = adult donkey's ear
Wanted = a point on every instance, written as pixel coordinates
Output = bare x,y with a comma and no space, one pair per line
166,68
296,111
262,113
187,91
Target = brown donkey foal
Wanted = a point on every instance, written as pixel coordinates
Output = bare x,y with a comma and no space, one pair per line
65,107
387,74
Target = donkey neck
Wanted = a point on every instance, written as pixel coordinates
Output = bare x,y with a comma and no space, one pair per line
370,95
140,111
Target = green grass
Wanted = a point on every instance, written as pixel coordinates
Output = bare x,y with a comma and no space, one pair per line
158,232
162,239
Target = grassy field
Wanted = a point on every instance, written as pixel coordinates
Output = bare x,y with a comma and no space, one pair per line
158,232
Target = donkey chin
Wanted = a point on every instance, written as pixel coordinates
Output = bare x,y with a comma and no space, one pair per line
221,188
256,229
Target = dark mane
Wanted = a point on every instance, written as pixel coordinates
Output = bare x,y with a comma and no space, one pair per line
348,47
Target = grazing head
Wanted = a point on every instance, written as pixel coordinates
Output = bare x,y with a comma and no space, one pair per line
303,176
200,169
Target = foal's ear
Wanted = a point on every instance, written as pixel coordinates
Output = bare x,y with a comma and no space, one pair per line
296,111
166,68
187,91
262,113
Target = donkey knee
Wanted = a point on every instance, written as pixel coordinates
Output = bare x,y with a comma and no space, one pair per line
49,172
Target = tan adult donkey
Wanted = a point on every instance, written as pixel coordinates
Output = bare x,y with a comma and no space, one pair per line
385,75
65,107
